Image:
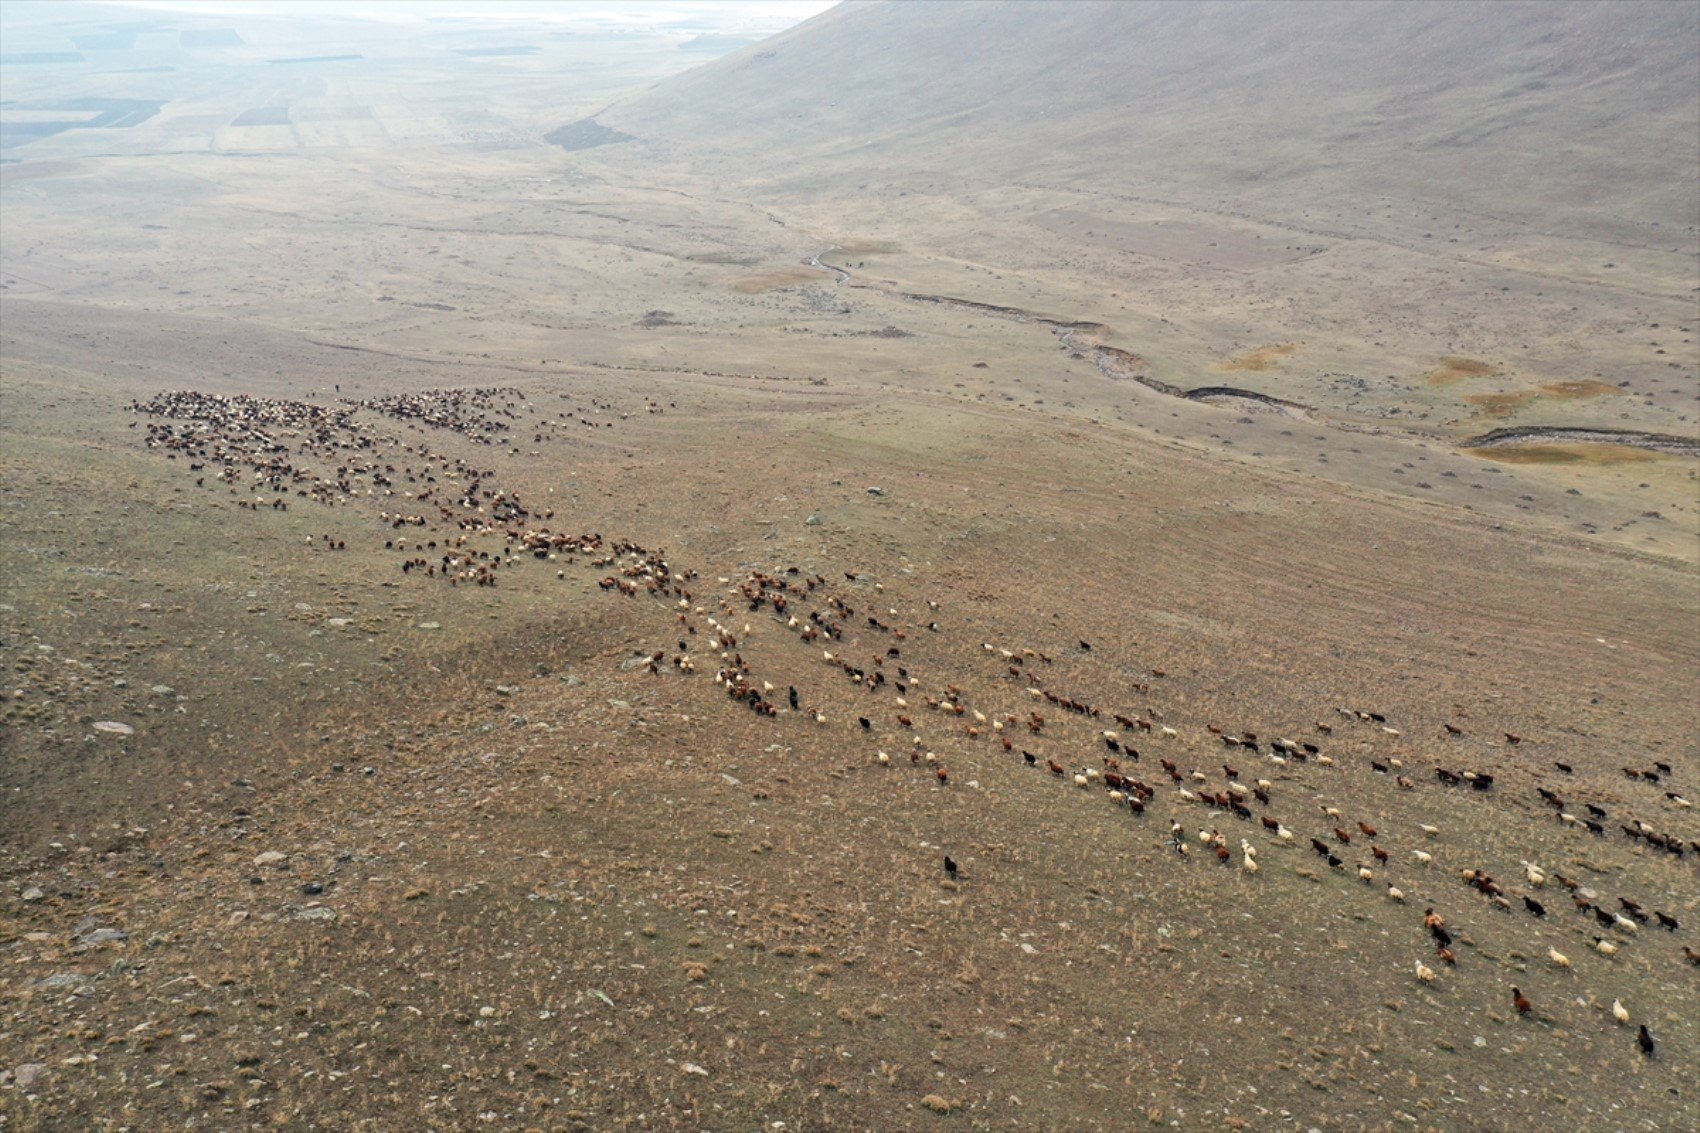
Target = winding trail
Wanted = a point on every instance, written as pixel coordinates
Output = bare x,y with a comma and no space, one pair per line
1563,434
1124,365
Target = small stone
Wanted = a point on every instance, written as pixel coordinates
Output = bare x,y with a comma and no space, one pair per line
313,913
33,893
876,491
63,980
102,936
270,857
114,727
813,520
24,1075
693,1068
430,625
163,690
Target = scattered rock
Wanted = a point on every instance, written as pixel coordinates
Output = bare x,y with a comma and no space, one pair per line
23,1076
312,913
270,857
876,491
59,980
33,893
114,727
102,936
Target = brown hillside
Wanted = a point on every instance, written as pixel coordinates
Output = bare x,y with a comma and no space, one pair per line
1559,114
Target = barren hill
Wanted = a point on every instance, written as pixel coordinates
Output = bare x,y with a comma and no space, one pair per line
1559,114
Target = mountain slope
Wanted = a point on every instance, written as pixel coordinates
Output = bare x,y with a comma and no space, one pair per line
1581,117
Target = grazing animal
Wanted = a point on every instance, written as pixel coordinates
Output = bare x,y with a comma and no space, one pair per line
1693,956
1424,972
1369,831
1619,1011
1521,1001
950,867
1645,1041
1446,955
1666,920
1559,959
1534,906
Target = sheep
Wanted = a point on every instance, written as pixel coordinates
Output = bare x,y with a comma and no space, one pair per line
1425,973
1559,959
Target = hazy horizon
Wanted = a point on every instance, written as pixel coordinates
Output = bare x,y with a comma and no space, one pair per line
765,16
